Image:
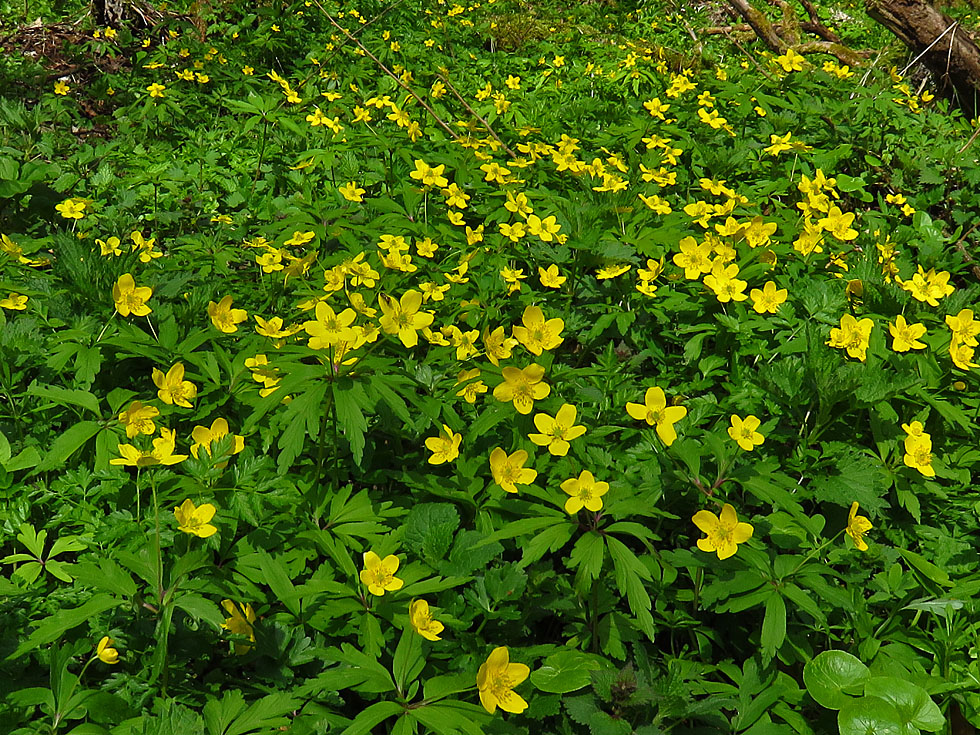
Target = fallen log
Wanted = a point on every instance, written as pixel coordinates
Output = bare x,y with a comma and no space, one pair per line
947,49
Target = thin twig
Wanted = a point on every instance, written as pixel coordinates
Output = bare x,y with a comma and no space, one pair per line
388,71
475,114
741,48
970,141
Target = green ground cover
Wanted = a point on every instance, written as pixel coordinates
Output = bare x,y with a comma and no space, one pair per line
423,367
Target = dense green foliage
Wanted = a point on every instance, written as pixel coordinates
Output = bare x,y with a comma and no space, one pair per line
381,367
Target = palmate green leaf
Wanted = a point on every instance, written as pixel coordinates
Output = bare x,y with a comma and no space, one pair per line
851,475
230,715
833,677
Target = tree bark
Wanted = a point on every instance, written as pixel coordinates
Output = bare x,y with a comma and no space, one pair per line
785,34
946,48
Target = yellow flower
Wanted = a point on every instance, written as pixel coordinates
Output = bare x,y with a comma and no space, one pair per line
138,419
496,680
695,259
838,224
429,175
162,452
71,209
14,302
300,238
613,270
497,345
273,328
195,520
964,327
557,432
745,432
225,318
723,282
105,652
857,526
586,493
778,144
769,299
423,622
445,447
329,328
928,286
544,229
471,387
852,335
549,277
538,334
156,90
204,436
240,623
403,318
961,354
724,533
918,454
509,471
379,574
790,61
655,412
109,247
352,192
523,387
61,88
173,389
905,336
130,298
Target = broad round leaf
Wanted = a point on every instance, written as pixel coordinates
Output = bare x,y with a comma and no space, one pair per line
869,716
913,703
834,675
565,671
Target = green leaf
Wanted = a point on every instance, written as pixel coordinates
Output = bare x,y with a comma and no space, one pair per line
200,608
429,530
350,400
566,671
630,575
408,660
833,676
869,716
81,398
587,555
926,568
279,582
64,620
106,575
67,444
773,625
372,716
27,458
452,716
913,703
